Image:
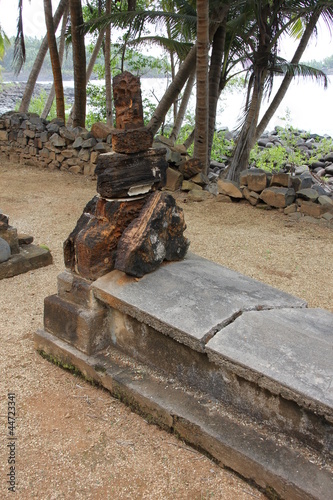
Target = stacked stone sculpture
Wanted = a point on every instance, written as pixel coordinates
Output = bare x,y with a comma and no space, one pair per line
131,225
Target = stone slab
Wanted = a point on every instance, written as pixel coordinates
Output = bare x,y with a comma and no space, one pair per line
288,352
282,471
30,257
189,300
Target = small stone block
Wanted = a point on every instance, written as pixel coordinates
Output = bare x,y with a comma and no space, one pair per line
30,257
132,141
83,328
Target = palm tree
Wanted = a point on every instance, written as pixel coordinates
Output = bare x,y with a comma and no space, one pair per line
294,68
201,119
79,63
264,21
55,61
51,96
107,57
30,85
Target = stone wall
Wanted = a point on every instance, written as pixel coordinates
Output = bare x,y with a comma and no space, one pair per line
27,138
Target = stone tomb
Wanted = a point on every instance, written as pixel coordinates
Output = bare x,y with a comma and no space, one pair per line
235,367
17,253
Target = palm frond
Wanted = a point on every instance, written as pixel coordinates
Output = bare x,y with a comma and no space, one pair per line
19,45
180,48
299,70
137,19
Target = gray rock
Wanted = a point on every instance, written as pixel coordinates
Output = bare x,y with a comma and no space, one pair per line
325,200
329,169
301,169
77,143
320,189
308,194
53,127
89,143
4,250
57,141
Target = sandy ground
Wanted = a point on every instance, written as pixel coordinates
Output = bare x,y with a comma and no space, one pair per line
76,441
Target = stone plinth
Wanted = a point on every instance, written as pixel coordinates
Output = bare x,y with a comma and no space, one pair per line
235,367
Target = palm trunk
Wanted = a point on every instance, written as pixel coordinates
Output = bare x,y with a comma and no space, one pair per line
50,99
107,57
247,136
214,80
173,91
288,78
182,76
30,85
79,63
183,107
90,68
201,119
55,61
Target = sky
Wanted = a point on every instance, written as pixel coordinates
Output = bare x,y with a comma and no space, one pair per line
34,25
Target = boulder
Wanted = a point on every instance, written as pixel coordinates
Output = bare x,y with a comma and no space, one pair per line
325,200
251,196
278,197
312,209
57,141
189,185
256,180
280,179
190,168
307,194
89,143
229,188
198,194
329,169
174,179
101,130
4,250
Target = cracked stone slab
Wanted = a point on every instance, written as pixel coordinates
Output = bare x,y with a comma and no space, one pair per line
191,299
288,352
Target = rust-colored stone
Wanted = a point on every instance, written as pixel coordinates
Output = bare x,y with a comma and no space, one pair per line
101,130
132,141
90,250
190,167
127,101
156,235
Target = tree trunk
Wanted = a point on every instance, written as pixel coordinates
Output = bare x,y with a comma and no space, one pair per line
182,75
247,136
55,61
79,63
30,85
107,57
201,119
288,78
183,107
214,80
50,99
90,68
173,91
